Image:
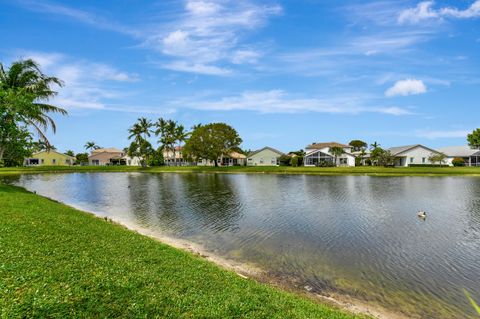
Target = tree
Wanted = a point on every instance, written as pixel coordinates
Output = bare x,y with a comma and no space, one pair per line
91,146
474,139
437,158
168,134
374,145
140,147
211,141
358,145
18,148
25,80
336,151
81,158
70,153
375,154
386,158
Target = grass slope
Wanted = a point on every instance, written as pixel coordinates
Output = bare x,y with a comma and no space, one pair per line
58,262
361,170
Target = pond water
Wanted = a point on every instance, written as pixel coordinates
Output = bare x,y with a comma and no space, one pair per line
353,235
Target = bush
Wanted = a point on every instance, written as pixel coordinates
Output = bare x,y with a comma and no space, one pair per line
368,162
325,164
294,161
285,160
358,161
427,165
458,161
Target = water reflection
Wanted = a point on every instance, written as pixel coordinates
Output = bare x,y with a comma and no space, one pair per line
353,234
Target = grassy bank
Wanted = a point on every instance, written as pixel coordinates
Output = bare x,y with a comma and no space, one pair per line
362,170
58,262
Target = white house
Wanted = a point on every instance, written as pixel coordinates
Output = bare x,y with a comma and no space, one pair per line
412,154
317,153
469,155
266,156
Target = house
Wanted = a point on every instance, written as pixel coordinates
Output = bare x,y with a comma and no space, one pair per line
469,155
266,156
231,159
172,158
106,156
412,154
318,153
49,158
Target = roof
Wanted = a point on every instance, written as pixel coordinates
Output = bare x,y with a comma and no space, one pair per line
317,146
52,151
236,155
458,151
263,149
107,150
401,149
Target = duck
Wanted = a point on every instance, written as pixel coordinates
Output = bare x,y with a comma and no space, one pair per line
422,214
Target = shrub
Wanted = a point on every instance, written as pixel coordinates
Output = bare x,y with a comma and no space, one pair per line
325,164
427,165
358,161
458,161
368,162
285,160
294,161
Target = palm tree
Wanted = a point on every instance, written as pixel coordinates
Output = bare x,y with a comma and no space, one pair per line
25,77
336,151
91,146
167,133
374,145
144,126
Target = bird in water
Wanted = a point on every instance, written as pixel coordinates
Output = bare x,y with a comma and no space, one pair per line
422,214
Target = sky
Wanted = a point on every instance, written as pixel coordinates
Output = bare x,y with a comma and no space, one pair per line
284,74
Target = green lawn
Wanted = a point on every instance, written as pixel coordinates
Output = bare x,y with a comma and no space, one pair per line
58,262
362,170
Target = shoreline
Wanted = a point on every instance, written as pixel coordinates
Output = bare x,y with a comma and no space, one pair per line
246,270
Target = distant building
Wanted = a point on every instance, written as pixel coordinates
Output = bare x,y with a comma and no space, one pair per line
469,155
106,156
231,159
412,154
49,158
266,156
317,153
172,158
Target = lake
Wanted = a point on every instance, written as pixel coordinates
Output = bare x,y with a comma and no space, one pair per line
351,235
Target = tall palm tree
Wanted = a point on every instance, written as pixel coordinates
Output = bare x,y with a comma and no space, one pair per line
336,151
374,145
25,77
166,131
91,146
144,125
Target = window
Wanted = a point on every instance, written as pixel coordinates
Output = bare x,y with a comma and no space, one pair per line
343,161
274,161
54,161
411,159
261,160
423,160
43,161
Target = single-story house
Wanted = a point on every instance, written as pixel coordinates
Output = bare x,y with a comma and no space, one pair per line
106,156
49,158
317,153
266,156
469,155
412,154
231,159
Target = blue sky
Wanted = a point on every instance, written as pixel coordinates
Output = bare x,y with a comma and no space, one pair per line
283,73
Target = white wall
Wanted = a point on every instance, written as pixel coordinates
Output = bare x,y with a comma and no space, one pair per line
417,153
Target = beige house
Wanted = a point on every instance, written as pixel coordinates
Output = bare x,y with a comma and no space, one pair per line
106,156
174,158
232,159
49,158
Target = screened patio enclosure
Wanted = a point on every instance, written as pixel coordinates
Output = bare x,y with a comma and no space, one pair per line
315,158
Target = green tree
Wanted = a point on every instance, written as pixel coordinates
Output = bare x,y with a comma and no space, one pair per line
374,145
24,84
358,145
375,154
474,139
336,151
168,134
91,146
386,159
81,158
70,153
211,141
437,158
140,147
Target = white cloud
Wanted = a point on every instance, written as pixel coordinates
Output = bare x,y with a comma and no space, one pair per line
278,101
209,35
425,11
87,84
406,87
